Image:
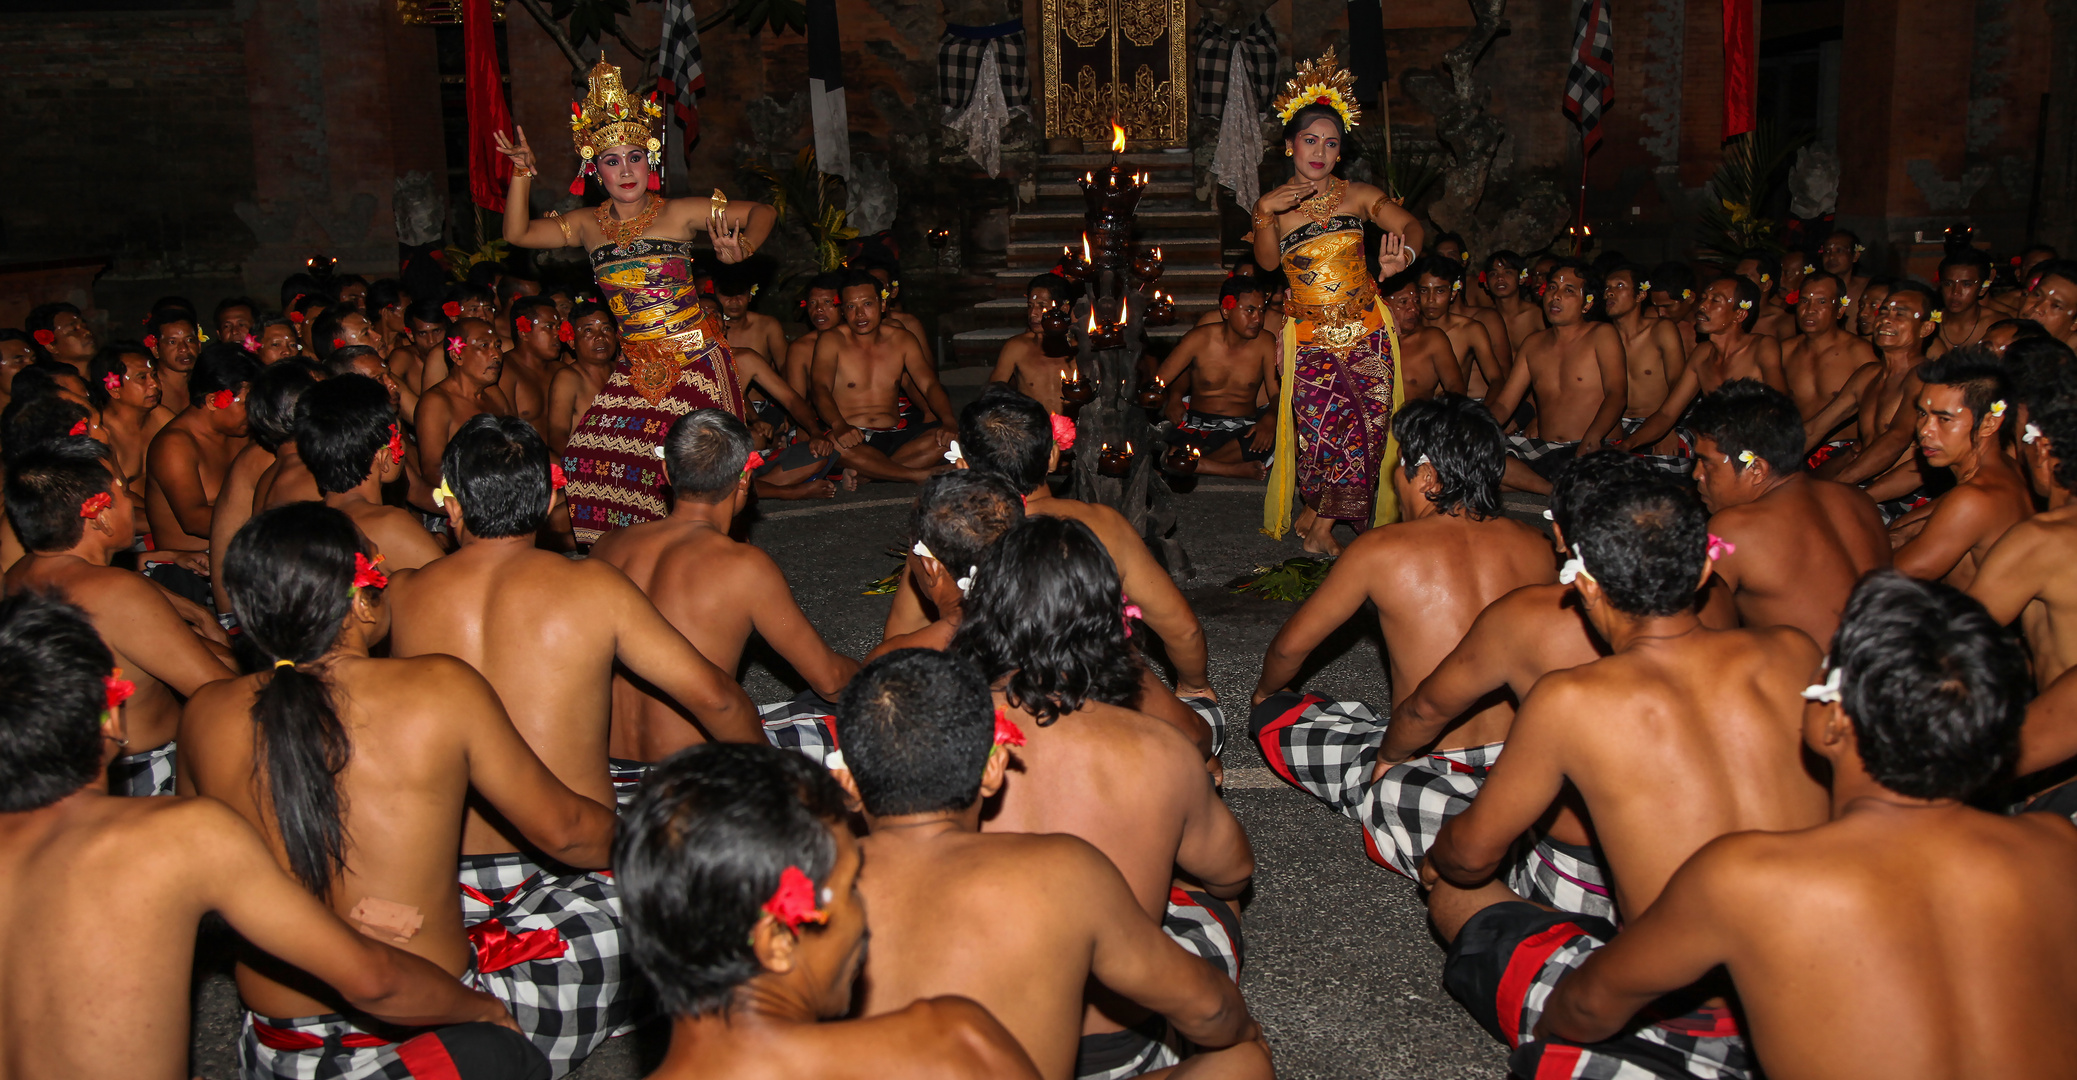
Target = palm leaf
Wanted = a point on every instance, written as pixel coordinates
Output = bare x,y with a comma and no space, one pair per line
1753,171
1292,579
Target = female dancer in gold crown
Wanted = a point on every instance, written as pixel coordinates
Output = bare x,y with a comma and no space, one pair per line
674,355
1339,384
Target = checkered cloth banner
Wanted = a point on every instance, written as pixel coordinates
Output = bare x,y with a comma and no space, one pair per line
959,64
679,75
1590,84
1214,60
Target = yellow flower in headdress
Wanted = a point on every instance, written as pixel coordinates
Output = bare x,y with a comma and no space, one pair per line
1319,82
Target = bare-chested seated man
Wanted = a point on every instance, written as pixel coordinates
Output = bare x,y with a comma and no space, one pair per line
175,346
1429,576
594,346
1019,923
1793,546
546,631
859,367
1840,256
1231,365
1044,622
1910,937
714,589
1764,270
1964,277
191,456
2025,578
1427,359
64,334
102,897
957,516
820,311
1961,407
1653,353
2051,299
72,517
358,770
1439,289
1681,735
429,326
470,389
756,989
529,368
124,389
1505,280
1023,363
1673,297
348,435
1877,401
1823,356
1575,374
270,419
1733,351
1012,437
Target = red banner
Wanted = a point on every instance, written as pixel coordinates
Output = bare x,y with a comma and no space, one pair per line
1739,69
489,171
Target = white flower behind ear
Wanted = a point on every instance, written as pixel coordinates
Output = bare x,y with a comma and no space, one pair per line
1827,692
2032,433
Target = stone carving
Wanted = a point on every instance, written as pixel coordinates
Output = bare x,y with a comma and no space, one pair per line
420,209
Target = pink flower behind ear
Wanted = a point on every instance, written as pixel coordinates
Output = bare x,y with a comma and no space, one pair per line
113,382
1063,432
1720,547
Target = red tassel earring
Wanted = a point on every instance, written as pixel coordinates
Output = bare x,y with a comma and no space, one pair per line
577,185
655,181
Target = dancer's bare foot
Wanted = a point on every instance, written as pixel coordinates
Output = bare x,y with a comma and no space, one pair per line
1319,538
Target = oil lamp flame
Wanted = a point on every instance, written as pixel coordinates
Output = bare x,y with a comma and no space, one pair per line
1085,247
1117,138
1092,318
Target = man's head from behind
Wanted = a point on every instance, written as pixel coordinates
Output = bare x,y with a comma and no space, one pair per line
343,431
497,468
919,729
56,493
1046,610
719,837
1933,688
1581,482
705,453
1750,437
1452,453
270,409
1644,546
54,701
1009,435
958,515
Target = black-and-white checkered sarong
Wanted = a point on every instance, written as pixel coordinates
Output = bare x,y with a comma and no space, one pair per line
1328,749
144,774
332,1047
1214,717
627,779
1119,1055
1509,957
1679,463
959,64
1212,63
1206,926
807,724
566,1005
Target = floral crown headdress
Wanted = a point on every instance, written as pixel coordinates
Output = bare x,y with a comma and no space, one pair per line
1320,82
609,116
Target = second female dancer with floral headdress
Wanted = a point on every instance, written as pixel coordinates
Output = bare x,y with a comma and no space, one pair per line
1334,423
674,354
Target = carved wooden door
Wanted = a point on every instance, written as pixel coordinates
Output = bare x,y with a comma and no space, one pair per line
1120,59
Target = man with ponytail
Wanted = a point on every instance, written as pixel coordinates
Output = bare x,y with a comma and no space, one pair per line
357,770
100,898
546,632
72,516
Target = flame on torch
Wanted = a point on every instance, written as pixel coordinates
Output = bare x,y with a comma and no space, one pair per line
1117,138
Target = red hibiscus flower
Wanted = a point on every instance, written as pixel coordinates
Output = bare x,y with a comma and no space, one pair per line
452,309
793,902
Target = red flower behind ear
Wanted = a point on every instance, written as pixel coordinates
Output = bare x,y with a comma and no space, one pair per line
452,309
707,288
337,342
296,316
793,902
754,462
565,333
151,341
118,689
45,338
396,445
95,504
79,427
523,324
1007,733
1228,303
556,480
223,399
365,574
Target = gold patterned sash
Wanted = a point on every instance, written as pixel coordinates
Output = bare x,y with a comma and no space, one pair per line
1332,297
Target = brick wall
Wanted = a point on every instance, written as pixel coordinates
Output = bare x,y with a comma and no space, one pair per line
128,136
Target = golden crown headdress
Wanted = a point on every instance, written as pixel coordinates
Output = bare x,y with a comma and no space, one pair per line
1320,82
610,116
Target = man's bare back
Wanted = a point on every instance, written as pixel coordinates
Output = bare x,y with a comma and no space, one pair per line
1800,549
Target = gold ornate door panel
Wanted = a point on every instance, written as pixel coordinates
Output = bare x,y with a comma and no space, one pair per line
1115,58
